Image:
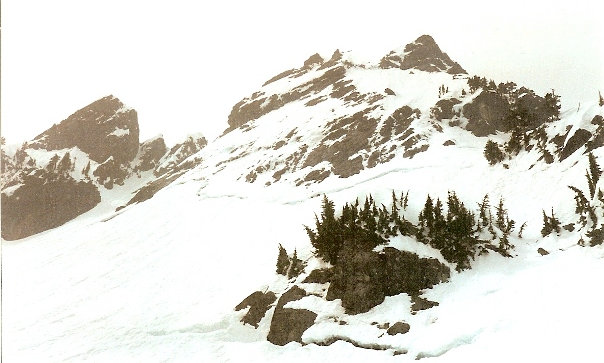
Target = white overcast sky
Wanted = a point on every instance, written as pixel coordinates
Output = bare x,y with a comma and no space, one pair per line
183,64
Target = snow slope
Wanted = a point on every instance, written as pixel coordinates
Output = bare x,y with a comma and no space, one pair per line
158,281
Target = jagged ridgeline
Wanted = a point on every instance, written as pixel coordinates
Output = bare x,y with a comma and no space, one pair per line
457,232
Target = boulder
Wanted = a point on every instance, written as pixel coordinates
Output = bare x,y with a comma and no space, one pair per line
419,303
288,325
259,302
398,328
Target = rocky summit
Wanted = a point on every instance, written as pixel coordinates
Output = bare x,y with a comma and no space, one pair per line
104,129
424,55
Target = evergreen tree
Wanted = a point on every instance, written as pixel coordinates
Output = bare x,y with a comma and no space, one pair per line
493,153
514,145
426,219
485,207
595,171
282,261
583,208
521,230
601,101
552,106
550,224
491,86
52,164
295,266
327,239
501,216
474,83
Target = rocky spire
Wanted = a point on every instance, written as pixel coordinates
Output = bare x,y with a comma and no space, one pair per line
424,55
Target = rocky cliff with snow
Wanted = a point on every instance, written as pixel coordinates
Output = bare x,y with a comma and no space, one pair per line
64,171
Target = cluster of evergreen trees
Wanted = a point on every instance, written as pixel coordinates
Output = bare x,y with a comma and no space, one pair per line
521,138
587,208
361,227
289,266
457,233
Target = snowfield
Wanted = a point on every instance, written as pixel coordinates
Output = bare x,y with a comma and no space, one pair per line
158,281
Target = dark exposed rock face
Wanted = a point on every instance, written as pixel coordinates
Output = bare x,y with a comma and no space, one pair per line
444,109
260,104
486,114
173,160
150,152
42,203
320,276
406,272
105,128
363,279
314,59
259,303
424,55
110,172
358,281
288,325
574,143
345,137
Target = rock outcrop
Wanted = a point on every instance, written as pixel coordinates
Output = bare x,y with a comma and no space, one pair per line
149,154
103,129
288,325
424,55
363,279
42,203
258,302
173,160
